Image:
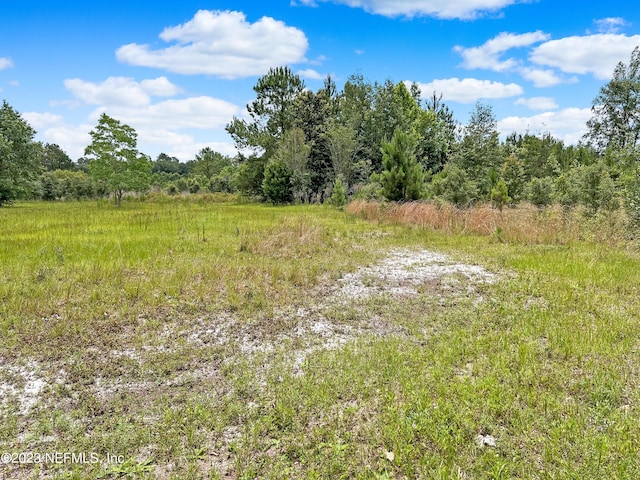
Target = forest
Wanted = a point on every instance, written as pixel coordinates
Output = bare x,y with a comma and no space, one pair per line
369,141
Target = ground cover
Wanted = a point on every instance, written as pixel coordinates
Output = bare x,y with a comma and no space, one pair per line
194,339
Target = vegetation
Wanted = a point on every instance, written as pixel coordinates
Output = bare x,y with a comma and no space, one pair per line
181,338
381,140
114,161
18,155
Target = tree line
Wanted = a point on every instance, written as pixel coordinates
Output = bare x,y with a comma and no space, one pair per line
369,140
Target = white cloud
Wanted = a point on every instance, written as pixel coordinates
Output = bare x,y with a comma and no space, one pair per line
171,125
311,74
120,90
543,77
175,114
5,63
43,120
223,44
72,139
188,150
610,24
537,103
568,125
487,55
469,90
595,54
446,9
160,87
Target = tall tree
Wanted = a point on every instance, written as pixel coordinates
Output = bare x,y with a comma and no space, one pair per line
171,165
616,109
19,155
354,110
270,113
479,151
114,160
343,147
394,107
312,113
276,185
209,163
293,152
54,158
402,176
437,128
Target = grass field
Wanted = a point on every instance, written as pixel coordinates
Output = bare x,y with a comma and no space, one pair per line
190,339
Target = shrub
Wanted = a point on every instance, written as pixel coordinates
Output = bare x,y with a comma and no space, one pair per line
276,185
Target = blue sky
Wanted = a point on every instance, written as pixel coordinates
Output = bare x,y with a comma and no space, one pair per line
178,72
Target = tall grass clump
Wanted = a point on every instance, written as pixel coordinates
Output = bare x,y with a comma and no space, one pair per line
525,224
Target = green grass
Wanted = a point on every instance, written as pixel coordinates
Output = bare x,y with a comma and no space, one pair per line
163,331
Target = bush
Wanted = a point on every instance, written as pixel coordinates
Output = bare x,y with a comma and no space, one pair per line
339,194
540,191
453,186
276,185
500,195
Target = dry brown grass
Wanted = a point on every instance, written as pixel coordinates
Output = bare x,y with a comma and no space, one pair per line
522,224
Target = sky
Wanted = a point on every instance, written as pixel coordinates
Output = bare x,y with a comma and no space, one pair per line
178,72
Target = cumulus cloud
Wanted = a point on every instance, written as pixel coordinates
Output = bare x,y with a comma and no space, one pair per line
71,138
5,63
445,9
171,125
568,125
131,102
487,55
595,54
537,103
543,77
223,44
311,74
42,120
120,90
469,90
175,114
610,24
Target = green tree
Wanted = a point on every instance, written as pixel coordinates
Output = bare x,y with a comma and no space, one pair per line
114,160
170,165
250,176
597,188
209,163
438,128
616,110
500,194
294,153
339,194
271,113
354,107
54,158
453,185
480,147
540,191
344,147
313,113
402,178
512,172
632,197
19,155
276,185
225,181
